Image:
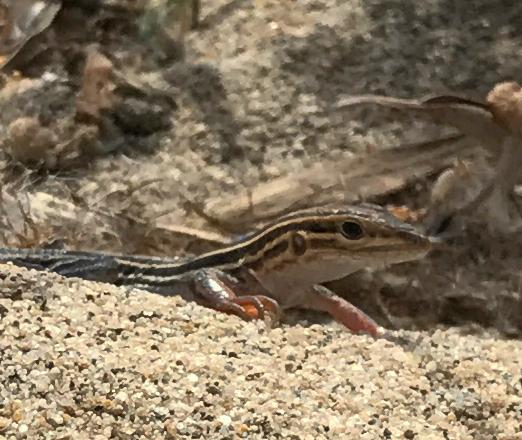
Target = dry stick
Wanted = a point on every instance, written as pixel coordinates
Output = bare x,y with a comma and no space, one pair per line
224,226
505,102
472,118
202,236
499,191
350,180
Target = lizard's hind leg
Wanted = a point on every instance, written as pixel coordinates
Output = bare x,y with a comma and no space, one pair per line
215,289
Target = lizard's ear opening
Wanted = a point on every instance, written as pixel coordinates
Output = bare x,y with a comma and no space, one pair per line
352,230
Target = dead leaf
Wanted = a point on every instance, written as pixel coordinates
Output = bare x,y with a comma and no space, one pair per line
406,214
21,20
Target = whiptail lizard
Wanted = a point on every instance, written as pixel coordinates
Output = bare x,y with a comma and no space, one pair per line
281,265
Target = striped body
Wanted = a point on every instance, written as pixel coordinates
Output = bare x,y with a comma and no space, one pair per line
284,260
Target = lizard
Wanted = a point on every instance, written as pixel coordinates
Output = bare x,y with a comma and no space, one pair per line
280,266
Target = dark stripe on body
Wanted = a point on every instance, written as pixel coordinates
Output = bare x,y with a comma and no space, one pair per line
236,252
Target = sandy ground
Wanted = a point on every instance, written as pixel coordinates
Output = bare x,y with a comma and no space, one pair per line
91,361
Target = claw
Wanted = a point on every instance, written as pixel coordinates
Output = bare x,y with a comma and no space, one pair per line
255,306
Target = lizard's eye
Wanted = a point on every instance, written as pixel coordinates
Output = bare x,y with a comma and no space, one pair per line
352,230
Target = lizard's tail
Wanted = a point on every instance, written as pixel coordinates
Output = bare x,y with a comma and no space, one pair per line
94,266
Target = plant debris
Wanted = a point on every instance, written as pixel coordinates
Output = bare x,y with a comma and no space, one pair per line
20,21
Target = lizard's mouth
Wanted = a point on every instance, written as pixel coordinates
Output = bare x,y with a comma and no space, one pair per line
402,248
396,253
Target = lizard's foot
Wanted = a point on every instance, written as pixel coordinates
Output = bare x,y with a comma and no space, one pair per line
342,311
214,292
256,306
351,317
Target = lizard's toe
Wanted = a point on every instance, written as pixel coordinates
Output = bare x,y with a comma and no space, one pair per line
255,306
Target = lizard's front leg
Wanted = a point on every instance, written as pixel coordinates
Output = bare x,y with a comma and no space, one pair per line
217,290
322,299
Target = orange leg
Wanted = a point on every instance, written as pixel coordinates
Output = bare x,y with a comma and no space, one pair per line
320,298
214,292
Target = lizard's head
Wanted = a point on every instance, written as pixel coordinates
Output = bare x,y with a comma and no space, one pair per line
355,236
329,243
370,234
